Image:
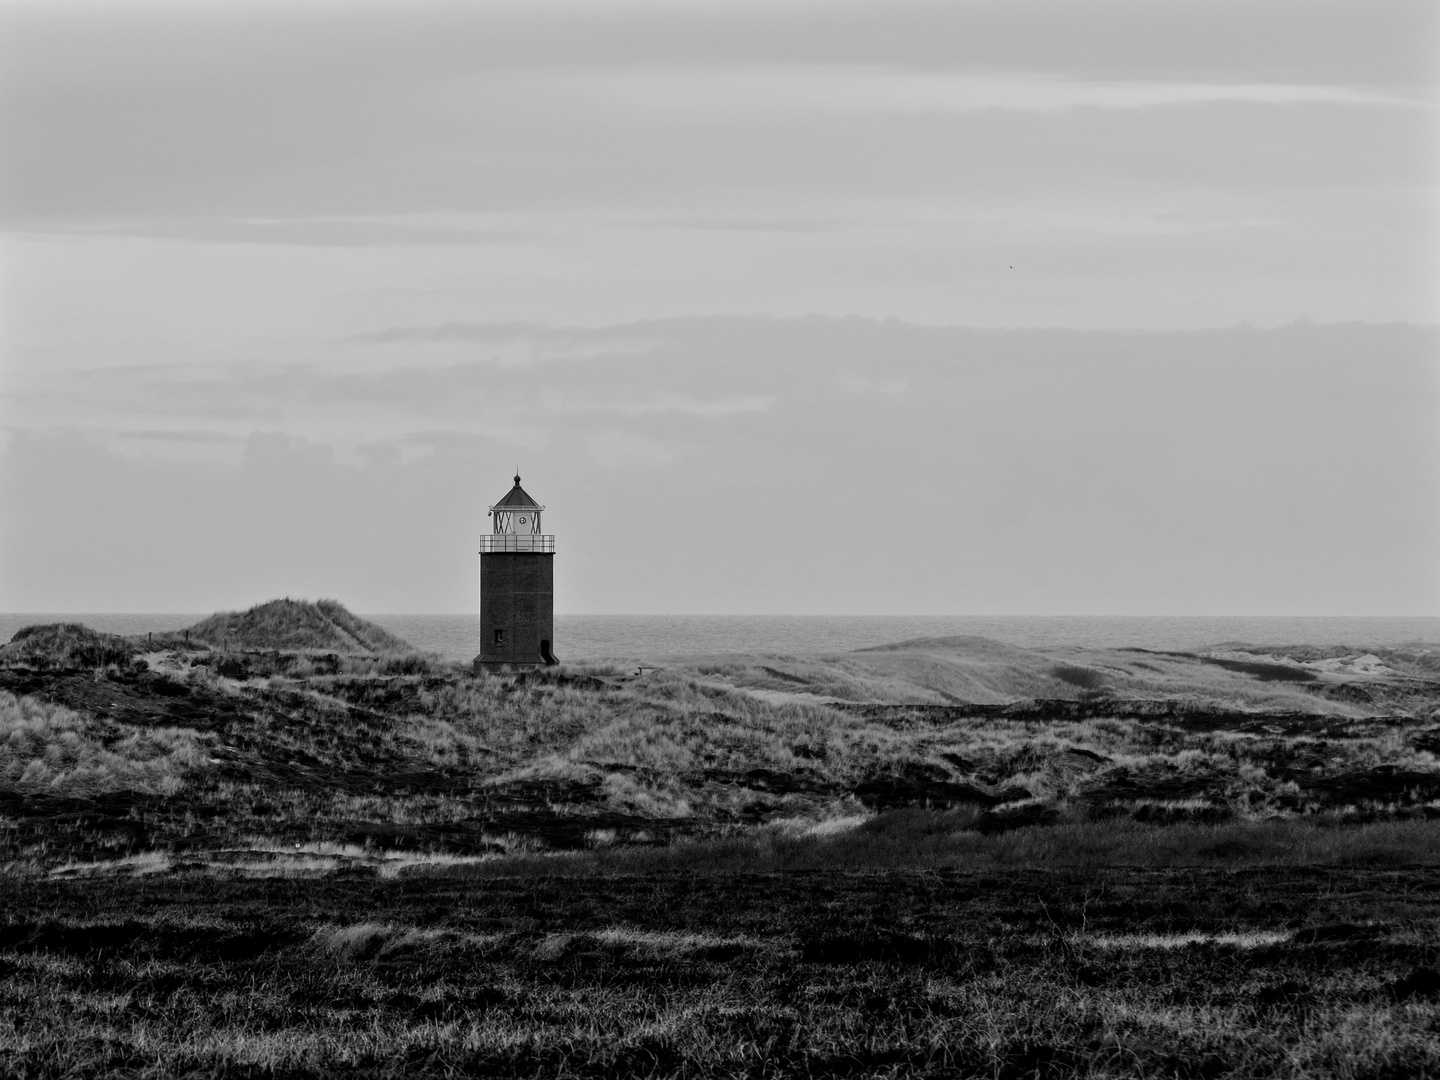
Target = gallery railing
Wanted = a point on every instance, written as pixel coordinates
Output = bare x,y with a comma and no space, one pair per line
517,542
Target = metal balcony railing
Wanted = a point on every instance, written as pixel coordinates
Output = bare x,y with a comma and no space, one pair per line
518,542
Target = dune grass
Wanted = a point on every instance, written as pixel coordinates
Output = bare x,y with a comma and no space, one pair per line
653,742
51,750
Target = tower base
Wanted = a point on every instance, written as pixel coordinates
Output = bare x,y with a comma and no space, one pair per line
517,605
495,663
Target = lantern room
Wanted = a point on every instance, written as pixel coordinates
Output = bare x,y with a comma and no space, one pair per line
516,524
517,512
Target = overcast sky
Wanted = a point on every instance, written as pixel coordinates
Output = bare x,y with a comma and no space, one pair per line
957,308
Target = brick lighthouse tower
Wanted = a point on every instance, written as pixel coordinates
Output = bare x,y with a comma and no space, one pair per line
517,585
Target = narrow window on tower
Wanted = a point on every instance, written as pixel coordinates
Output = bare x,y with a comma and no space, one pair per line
499,637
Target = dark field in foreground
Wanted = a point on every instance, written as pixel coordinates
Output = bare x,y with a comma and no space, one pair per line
1116,972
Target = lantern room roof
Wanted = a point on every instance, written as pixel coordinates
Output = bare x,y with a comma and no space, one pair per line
516,499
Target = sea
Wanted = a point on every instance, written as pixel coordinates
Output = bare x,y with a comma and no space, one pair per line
641,637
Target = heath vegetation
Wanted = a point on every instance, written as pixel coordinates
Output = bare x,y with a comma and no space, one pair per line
110,753
1287,972
281,843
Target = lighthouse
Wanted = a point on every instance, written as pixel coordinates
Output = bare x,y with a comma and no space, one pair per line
517,585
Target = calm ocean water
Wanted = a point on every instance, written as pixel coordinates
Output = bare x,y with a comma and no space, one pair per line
592,637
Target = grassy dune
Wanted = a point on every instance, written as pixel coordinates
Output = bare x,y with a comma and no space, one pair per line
231,749
296,624
970,670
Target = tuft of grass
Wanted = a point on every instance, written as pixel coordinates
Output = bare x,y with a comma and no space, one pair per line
353,942
1244,939
51,750
147,862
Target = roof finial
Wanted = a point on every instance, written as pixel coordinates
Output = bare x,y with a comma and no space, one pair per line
517,475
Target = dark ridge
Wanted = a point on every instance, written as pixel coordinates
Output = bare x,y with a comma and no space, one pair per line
1083,677
296,624
970,644
1191,715
785,675
1262,671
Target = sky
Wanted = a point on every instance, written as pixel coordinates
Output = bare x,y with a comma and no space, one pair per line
1020,307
